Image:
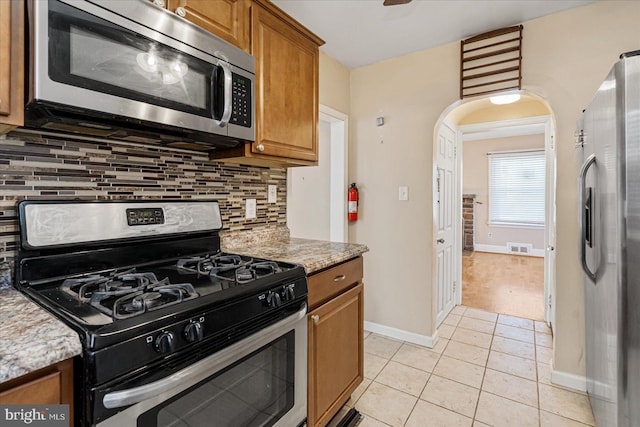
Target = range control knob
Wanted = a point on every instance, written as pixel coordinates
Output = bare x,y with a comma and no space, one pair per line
274,299
288,293
165,342
193,332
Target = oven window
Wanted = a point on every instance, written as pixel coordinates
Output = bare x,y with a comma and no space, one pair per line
91,53
255,391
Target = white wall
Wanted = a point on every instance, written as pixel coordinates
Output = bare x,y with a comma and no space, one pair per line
566,56
475,180
308,193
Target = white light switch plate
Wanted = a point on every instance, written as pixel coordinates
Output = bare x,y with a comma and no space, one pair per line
272,196
403,193
251,209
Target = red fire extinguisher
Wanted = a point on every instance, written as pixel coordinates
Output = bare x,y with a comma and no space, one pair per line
353,202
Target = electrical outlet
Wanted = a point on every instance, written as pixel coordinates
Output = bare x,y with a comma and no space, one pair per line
251,209
403,193
272,195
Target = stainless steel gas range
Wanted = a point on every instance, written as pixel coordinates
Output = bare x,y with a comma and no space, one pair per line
174,331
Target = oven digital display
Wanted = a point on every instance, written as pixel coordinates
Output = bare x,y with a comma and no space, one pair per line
145,216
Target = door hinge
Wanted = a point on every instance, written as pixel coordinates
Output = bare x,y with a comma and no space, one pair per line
455,152
454,285
579,138
438,181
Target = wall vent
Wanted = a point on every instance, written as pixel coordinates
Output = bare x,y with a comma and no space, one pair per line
491,62
519,248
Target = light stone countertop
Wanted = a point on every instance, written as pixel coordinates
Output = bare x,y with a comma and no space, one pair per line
314,255
30,337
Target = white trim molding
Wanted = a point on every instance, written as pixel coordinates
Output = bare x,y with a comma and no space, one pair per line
504,250
504,128
399,334
565,379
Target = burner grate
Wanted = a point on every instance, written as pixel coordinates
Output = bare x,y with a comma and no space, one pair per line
128,293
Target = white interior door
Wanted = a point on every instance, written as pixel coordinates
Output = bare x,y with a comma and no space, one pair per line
550,223
445,221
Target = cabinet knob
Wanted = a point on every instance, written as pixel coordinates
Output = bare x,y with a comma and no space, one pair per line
159,3
315,318
180,11
260,147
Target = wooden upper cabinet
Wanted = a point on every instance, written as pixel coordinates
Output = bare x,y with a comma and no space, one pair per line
11,64
228,19
286,88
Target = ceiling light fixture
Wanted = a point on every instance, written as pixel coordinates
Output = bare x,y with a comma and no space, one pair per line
509,98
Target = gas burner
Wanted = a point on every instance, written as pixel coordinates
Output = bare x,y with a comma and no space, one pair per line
153,296
211,264
127,293
255,271
95,287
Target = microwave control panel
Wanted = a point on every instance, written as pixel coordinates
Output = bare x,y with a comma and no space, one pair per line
241,101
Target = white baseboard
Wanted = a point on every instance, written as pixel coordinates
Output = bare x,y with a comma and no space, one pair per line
399,334
565,379
504,250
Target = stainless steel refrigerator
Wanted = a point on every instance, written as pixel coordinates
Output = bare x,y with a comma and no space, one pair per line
608,145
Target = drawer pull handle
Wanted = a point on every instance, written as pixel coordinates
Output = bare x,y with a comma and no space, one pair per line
315,318
339,278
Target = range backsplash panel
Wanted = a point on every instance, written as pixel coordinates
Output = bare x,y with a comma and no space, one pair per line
40,167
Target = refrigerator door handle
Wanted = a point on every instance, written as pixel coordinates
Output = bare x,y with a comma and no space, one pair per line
582,190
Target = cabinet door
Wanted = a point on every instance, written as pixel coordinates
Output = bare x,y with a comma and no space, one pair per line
50,385
335,354
11,64
286,88
228,19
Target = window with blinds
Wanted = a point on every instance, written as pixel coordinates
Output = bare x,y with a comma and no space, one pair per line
516,188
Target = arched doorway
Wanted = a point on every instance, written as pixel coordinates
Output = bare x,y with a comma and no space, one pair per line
477,119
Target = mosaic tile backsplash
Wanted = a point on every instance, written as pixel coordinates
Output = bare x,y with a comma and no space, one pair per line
38,167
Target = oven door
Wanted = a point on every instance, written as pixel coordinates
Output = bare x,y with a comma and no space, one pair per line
89,59
259,381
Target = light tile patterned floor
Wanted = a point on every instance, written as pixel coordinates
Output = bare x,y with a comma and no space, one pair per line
487,370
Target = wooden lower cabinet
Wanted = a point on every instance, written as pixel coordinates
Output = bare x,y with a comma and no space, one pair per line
52,385
336,345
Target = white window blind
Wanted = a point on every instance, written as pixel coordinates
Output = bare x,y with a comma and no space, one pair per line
516,188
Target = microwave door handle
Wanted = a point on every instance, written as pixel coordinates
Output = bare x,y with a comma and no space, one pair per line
228,94
582,190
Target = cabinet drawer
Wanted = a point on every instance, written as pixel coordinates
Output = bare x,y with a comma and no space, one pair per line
329,283
41,391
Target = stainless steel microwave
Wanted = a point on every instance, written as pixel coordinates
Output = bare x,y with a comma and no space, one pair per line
134,71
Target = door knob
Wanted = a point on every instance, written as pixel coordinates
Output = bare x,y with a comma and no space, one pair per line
440,240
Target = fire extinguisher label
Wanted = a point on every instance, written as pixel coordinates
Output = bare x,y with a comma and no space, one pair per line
353,207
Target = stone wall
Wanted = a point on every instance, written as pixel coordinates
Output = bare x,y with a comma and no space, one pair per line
468,201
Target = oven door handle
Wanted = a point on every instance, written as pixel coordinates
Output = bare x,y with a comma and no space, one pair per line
224,358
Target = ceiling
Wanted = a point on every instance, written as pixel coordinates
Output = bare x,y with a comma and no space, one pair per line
361,32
